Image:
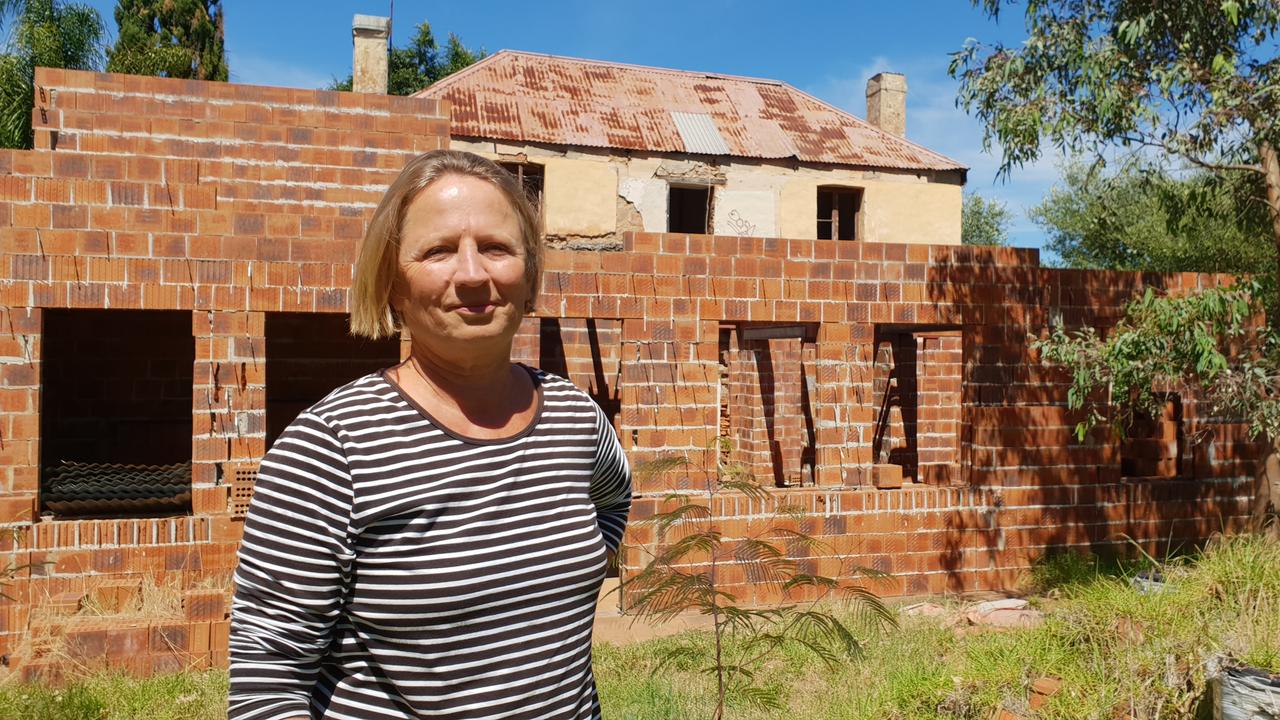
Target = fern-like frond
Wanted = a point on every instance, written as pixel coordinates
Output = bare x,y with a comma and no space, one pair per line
807,580
707,542
870,607
761,698
680,654
663,521
651,468
746,486
802,539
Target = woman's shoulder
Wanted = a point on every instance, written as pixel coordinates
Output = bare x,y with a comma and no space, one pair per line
360,396
551,383
560,392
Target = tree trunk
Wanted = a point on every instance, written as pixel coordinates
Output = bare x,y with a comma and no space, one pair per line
1271,175
1267,485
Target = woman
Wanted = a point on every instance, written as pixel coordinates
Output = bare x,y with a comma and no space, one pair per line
429,541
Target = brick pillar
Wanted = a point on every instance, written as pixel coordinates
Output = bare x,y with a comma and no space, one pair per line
670,382
229,401
19,414
20,334
843,405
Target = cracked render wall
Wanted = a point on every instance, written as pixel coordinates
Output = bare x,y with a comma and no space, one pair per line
230,202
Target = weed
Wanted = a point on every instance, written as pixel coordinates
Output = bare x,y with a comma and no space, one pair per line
687,572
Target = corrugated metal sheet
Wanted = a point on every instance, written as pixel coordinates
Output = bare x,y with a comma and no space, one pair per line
699,134
527,97
80,488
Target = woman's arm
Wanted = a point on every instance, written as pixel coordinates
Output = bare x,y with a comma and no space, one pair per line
295,564
610,485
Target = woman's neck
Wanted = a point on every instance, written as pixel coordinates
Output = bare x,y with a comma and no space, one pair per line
478,393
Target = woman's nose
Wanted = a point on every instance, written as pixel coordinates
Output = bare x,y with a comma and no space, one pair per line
470,268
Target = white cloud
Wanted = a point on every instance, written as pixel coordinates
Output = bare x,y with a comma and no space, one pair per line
257,70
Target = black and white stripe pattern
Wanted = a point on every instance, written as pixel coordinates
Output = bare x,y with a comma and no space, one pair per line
393,569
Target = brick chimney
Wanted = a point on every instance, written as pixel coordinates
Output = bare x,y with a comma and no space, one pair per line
887,102
370,35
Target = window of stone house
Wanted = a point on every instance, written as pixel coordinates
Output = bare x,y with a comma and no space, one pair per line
839,213
531,177
309,354
689,209
116,413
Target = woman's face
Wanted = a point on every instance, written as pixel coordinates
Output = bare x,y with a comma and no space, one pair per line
461,285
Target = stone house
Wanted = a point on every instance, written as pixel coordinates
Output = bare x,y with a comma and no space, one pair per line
612,148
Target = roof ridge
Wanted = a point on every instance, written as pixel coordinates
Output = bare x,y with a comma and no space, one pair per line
632,66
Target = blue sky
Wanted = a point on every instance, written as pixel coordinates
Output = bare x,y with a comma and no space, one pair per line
828,49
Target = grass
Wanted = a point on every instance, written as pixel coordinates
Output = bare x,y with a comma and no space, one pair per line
1118,652
185,696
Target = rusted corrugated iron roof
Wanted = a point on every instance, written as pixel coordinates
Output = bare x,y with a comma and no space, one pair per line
528,97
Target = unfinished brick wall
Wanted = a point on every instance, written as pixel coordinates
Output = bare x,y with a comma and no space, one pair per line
222,203
233,203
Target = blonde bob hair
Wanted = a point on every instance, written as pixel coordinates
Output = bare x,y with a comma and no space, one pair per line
375,272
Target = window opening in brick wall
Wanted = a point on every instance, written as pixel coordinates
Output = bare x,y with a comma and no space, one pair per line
689,209
917,392
116,413
770,370
531,177
309,354
839,213
1152,446
588,353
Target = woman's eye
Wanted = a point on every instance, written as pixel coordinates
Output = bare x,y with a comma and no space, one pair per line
434,252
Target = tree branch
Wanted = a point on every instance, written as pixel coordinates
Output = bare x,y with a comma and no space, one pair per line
1197,161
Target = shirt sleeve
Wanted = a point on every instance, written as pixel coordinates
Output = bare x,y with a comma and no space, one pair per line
610,483
295,566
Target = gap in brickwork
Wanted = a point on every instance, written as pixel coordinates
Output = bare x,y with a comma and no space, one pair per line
116,391
917,393
588,353
310,354
1152,446
769,378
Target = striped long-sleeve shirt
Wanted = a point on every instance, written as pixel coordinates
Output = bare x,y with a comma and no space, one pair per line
394,569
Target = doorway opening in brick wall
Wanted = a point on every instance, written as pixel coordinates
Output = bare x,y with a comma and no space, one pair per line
588,353
917,393
116,413
310,354
767,386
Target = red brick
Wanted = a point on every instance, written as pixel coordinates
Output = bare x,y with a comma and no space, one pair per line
205,605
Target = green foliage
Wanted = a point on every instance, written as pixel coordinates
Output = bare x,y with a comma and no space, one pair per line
1195,81
1198,79
1212,340
1142,218
44,33
421,62
983,221
686,572
170,38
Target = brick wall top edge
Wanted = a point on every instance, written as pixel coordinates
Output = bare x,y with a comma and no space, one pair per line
71,80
